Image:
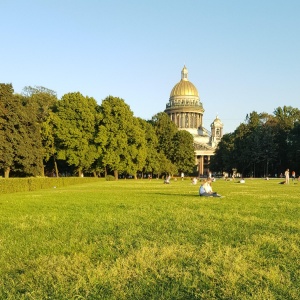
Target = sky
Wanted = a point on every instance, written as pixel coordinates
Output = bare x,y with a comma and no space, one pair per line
241,55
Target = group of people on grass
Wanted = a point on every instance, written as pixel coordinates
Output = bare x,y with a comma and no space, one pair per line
287,176
205,189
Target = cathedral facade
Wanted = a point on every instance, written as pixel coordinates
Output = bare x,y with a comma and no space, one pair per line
186,111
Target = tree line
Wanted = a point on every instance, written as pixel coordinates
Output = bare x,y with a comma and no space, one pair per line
43,135
264,145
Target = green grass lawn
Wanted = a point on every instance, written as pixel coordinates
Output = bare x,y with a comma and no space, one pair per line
140,239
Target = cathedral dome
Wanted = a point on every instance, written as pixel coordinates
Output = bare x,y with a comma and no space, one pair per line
184,87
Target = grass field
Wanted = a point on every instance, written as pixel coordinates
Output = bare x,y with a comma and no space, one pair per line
140,239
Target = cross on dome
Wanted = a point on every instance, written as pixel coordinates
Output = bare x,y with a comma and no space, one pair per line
184,74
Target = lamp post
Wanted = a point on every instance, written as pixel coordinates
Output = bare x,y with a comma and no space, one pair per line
267,171
297,160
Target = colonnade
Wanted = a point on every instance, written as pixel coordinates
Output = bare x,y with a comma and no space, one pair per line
186,119
202,162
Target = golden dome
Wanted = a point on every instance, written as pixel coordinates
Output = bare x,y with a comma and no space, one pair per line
184,87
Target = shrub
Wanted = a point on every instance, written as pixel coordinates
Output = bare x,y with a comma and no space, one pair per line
110,178
13,185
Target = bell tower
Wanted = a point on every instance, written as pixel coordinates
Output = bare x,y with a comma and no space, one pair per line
216,131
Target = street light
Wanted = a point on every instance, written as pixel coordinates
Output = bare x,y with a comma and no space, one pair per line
267,163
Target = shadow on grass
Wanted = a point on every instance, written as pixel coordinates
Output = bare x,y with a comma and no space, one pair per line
172,195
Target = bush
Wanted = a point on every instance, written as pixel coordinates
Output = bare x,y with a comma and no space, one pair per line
110,178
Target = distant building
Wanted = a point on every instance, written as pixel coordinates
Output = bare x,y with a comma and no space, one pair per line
186,111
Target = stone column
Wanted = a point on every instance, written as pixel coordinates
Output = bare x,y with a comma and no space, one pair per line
200,168
198,120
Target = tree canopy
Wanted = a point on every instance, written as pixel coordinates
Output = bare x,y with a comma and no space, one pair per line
78,135
75,128
263,145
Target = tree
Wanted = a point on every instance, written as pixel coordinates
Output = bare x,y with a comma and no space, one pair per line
293,149
43,101
48,140
165,130
21,149
223,160
9,121
29,159
183,151
152,160
136,149
165,166
75,130
123,141
285,119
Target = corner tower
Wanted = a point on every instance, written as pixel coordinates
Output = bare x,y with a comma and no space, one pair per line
216,131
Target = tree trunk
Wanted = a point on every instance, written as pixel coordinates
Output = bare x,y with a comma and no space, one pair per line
55,166
43,170
6,172
116,173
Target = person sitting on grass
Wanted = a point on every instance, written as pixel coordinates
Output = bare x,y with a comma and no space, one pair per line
206,189
167,180
194,180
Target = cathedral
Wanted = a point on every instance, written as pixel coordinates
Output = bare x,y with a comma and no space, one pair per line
186,111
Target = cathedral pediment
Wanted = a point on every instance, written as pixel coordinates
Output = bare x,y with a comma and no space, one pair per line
200,146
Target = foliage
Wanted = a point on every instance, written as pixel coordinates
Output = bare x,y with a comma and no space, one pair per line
165,130
121,138
293,147
263,145
20,134
165,166
152,161
75,130
42,102
78,135
222,161
110,178
9,135
183,151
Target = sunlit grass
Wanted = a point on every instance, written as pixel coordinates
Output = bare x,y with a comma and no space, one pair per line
140,239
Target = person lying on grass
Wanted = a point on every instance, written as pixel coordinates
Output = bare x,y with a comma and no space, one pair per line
206,189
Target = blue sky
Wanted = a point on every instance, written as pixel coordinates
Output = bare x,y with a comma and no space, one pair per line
241,55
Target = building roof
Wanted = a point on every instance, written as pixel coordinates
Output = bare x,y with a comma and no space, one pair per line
184,87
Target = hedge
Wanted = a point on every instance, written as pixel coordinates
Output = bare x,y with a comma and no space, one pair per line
13,185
